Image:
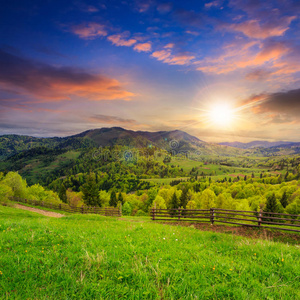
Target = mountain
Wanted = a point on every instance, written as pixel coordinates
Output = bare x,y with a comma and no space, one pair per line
11,145
256,144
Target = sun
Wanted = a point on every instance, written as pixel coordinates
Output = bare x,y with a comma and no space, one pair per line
221,115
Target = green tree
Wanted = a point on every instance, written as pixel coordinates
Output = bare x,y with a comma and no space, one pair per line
126,209
113,199
159,202
284,199
271,204
62,194
184,198
90,192
174,201
208,199
120,198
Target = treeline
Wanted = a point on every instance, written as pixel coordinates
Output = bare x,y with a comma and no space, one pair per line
13,185
250,194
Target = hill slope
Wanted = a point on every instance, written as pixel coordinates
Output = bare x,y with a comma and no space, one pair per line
255,144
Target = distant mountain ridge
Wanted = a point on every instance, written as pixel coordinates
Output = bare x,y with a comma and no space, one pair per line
176,140
256,144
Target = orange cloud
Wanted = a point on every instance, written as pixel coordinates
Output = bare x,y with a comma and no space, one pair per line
143,47
119,40
89,31
56,83
251,54
172,59
270,51
253,28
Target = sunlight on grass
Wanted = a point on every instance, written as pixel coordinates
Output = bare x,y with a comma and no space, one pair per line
93,257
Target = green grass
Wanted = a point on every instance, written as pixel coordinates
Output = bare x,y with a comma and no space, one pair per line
94,257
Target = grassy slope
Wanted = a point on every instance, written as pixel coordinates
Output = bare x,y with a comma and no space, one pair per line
88,257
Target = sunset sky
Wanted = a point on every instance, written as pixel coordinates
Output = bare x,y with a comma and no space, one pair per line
220,70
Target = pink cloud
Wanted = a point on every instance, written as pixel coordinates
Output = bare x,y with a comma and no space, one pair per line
169,46
46,82
254,29
271,51
164,8
89,31
143,47
173,59
120,40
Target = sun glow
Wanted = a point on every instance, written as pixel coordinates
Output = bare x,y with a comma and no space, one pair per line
221,115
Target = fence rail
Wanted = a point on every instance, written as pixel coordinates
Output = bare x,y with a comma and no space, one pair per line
104,211
215,215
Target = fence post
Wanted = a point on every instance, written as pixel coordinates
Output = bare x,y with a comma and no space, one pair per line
212,216
59,206
259,217
82,209
179,213
153,213
25,200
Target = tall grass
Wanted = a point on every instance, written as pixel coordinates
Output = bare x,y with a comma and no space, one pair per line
94,257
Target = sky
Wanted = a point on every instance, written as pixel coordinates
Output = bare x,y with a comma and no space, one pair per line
220,70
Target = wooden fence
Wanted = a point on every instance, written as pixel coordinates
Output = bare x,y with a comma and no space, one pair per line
238,217
104,211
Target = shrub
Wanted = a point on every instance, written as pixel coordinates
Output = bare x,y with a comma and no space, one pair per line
141,213
126,209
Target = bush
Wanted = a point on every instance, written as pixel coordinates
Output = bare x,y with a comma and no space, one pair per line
141,213
126,209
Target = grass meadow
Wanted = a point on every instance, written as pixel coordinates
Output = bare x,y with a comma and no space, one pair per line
95,257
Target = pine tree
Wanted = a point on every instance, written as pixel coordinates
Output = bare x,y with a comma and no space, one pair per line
271,205
90,192
63,193
120,198
174,204
284,199
184,199
113,199
174,201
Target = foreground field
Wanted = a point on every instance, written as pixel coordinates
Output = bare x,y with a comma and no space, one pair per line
93,257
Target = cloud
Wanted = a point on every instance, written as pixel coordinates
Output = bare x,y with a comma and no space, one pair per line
89,31
143,5
164,8
143,47
111,119
212,4
246,54
45,82
281,106
169,46
120,40
258,74
255,29
271,50
173,59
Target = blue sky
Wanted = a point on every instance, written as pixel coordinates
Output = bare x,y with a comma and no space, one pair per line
68,66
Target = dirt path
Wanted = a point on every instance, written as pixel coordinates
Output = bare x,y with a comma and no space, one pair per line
40,211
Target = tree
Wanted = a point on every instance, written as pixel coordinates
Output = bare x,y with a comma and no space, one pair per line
159,202
184,198
120,198
90,192
208,199
62,193
271,204
113,199
284,199
174,201
126,209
